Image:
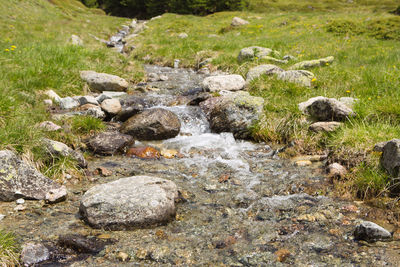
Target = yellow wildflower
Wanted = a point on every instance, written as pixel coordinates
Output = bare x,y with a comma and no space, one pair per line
327,63
13,46
314,79
369,98
7,50
348,91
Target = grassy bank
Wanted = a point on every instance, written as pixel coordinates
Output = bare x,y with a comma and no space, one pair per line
366,67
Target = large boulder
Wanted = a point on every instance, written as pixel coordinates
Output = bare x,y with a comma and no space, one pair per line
259,52
104,82
326,109
224,82
390,159
152,124
267,69
312,63
20,180
133,202
57,149
109,143
300,77
233,112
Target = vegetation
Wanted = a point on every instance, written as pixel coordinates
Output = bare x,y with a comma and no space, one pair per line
8,249
364,43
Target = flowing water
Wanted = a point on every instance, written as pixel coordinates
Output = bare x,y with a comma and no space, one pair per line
240,204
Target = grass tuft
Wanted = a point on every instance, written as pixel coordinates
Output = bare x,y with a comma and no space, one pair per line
9,250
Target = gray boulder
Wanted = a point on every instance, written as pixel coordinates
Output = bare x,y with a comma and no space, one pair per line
68,103
130,107
88,99
133,202
104,82
300,77
152,124
224,82
326,109
390,159
312,63
371,232
57,149
109,143
233,112
20,180
252,52
379,146
267,69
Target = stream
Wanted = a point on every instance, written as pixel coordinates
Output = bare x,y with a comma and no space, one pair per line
240,205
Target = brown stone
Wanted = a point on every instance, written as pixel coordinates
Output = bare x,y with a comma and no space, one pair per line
144,152
282,254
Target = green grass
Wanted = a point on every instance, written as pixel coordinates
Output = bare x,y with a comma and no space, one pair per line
8,249
366,65
86,125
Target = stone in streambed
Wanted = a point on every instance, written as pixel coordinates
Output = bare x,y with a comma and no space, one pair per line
371,232
109,143
146,152
133,202
18,179
224,82
152,124
111,106
82,244
33,253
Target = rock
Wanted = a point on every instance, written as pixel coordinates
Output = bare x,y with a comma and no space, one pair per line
138,201
183,35
379,146
68,103
56,195
109,95
33,253
49,126
122,256
144,152
20,180
224,82
326,109
131,106
87,106
390,159
335,170
169,153
238,22
48,102
303,163
76,40
2,216
289,57
20,201
267,69
87,100
233,112
152,77
252,52
82,244
274,60
53,95
152,124
163,78
133,24
109,143
325,126
20,208
104,82
312,63
111,106
300,77
371,232
94,112
57,149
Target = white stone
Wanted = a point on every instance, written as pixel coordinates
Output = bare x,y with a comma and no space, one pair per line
224,82
111,106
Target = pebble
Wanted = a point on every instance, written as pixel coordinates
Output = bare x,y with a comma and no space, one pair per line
19,208
2,216
122,256
20,201
303,163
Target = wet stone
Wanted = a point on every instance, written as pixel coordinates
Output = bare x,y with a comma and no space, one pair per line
33,253
109,143
371,232
82,244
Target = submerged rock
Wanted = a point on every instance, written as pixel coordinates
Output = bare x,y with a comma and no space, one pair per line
104,82
144,152
152,124
82,244
33,253
18,179
300,77
138,201
236,21
312,63
326,109
224,82
371,232
267,69
233,112
56,149
109,143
